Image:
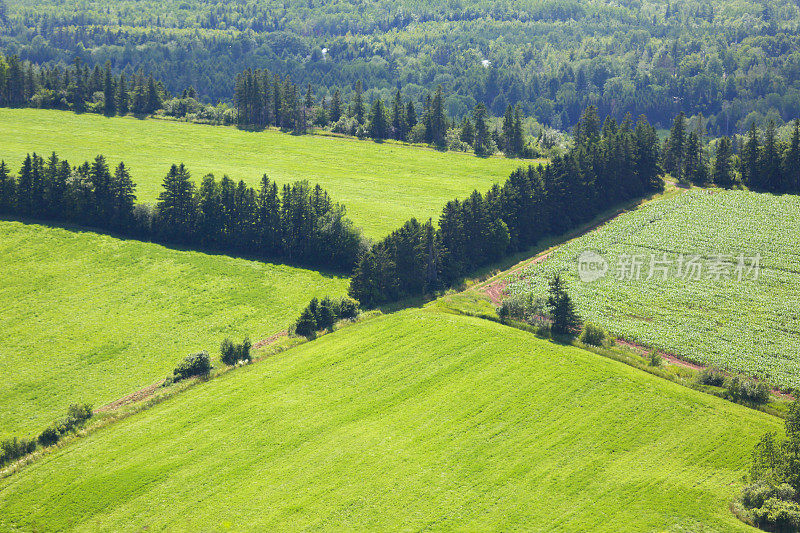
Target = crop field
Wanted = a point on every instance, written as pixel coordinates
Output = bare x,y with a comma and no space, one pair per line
90,318
382,185
445,422
738,310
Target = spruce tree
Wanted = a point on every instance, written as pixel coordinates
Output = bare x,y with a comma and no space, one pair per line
562,310
398,117
358,110
769,162
508,132
378,126
7,190
109,95
123,104
749,159
675,149
695,170
25,187
176,205
791,160
306,325
411,116
483,142
723,172
336,106
123,192
467,131
438,121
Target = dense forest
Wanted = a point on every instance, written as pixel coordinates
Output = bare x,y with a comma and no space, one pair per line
736,63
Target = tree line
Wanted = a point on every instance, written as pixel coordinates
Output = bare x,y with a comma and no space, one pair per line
761,160
297,222
610,163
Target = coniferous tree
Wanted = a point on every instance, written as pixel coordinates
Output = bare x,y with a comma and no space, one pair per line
483,142
269,218
467,131
109,94
378,126
749,158
438,122
508,132
176,205
398,117
695,170
769,161
562,310
153,102
25,187
336,106
7,190
123,194
209,203
123,105
411,116
791,160
675,148
723,170
359,111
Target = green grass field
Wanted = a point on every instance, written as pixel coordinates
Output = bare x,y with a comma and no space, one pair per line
90,318
416,420
382,185
750,326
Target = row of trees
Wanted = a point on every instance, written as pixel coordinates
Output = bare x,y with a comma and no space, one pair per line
610,163
761,160
297,222
263,100
78,87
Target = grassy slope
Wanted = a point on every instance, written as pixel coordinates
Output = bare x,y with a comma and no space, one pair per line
88,317
382,185
416,420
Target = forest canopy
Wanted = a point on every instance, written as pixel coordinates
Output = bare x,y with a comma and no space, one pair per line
736,63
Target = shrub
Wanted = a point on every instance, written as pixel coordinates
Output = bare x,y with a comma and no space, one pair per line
13,449
77,415
778,515
654,358
711,376
323,315
594,335
232,353
747,390
348,308
198,364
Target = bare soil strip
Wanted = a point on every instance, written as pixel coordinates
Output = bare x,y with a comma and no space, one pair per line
146,392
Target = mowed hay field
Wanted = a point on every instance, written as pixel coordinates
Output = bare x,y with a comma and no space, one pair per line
91,318
416,420
711,316
382,185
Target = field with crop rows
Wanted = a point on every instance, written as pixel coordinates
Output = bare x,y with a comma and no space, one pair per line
90,318
382,185
739,310
418,420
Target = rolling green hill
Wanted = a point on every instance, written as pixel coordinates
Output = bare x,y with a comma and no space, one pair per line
90,318
382,185
416,420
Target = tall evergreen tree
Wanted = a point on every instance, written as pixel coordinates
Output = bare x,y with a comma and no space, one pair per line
359,111
378,126
723,170
562,310
483,141
791,160
411,116
438,121
336,106
398,117
695,169
749,157
769,162
109,94
123,103
7,190
123,194
176,205
675,149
